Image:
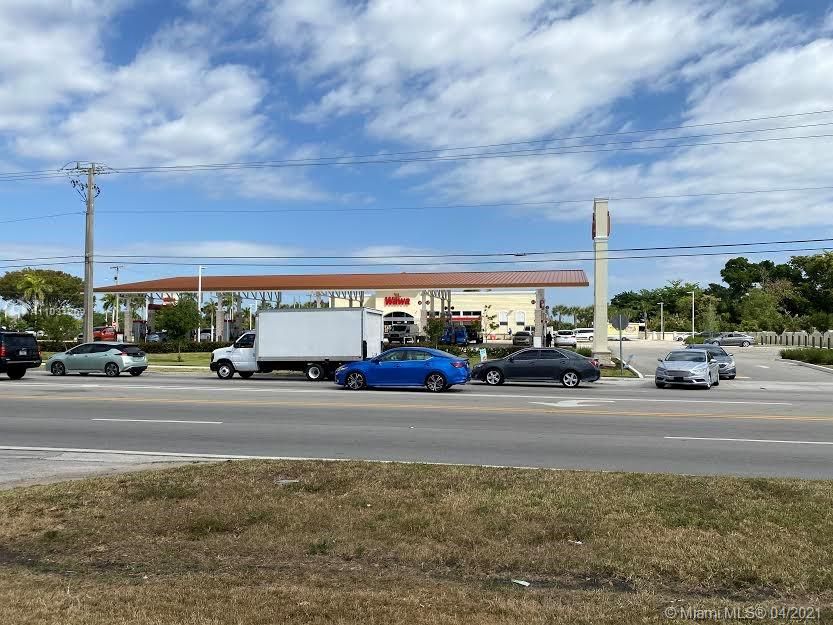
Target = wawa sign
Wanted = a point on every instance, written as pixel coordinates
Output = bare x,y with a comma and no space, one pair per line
395,300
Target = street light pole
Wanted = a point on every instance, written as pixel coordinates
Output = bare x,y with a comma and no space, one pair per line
661,321
692,312
199,301
117,308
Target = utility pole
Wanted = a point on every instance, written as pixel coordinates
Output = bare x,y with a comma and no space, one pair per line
88,192
661,321
117,308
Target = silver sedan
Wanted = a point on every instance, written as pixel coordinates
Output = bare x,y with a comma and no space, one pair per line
688,368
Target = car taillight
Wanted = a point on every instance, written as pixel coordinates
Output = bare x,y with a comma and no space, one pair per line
2,351
122,353
595,362
459,364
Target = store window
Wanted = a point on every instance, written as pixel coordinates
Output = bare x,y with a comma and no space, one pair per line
520,318
503,318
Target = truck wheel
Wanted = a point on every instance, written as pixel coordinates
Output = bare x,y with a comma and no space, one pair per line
225,371
315,372
245,374
355,381
15,373
435,382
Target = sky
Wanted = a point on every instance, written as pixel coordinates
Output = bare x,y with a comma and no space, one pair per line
131,83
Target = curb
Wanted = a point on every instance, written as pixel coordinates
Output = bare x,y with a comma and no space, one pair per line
808,364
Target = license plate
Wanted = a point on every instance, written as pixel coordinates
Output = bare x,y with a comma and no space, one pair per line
23,352
679,379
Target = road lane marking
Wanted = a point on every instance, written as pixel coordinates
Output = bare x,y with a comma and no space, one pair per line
346,395
762,366
413,407
158,421
746,440
574,403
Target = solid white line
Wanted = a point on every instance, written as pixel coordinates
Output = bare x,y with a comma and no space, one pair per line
347,395
158,421
746,440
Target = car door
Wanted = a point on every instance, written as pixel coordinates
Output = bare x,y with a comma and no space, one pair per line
521,365
414,368
243,354
75,359
98,356
551,365
386,370
714,368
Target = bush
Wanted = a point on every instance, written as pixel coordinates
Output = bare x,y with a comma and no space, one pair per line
813,355
170,347
694,340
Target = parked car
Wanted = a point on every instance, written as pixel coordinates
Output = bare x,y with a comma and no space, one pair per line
523,338
688,367
565,338
584,334
156,337
18,351
104,333
107,357
615,337
406,366
738,339
725,360
547,364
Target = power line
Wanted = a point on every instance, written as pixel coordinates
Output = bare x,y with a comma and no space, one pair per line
48,173
466,206
36,217
438,263
197,258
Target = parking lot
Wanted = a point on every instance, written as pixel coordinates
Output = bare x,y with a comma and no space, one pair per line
775,419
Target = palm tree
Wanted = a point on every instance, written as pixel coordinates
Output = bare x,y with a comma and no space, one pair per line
108,303
35,288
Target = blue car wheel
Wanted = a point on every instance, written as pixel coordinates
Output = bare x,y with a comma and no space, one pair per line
355,381
435,382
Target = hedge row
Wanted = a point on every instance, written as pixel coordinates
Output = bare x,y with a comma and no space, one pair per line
813,355
166,347
694,340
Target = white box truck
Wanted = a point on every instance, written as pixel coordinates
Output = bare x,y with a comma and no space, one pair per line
316,341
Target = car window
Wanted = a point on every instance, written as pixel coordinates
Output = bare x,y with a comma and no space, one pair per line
82,349
551,354
695,355
18,341
99,348
247,340
528,354
130,350
418,355
396,355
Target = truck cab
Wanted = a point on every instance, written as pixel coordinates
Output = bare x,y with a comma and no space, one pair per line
239,357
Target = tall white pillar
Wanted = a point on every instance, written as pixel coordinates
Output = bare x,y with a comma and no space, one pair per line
423,312
219,319
601,234
127,330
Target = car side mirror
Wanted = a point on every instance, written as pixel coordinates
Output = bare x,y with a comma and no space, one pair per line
731,354
659,359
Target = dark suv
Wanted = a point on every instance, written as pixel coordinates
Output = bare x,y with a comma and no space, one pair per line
18,351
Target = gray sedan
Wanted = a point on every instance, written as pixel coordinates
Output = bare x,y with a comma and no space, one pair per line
725,360
738,339
689,367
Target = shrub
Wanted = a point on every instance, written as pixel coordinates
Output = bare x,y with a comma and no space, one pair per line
694,340
813,355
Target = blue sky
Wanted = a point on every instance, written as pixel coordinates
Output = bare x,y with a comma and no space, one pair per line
173,83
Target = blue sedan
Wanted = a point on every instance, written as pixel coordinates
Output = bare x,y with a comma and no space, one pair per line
406,366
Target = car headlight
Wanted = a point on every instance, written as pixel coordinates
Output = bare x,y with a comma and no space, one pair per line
700,368
341,368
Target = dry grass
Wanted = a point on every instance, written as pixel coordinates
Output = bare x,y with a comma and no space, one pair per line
391,543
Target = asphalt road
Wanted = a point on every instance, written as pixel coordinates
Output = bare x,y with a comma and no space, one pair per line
775,419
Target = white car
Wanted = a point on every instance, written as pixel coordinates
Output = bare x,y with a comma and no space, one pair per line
565,338
584,334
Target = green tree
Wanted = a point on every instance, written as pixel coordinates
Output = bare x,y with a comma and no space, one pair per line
60,290
179,320
434,329
33,287
60,327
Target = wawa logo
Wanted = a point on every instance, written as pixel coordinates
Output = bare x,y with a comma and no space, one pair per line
395,300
